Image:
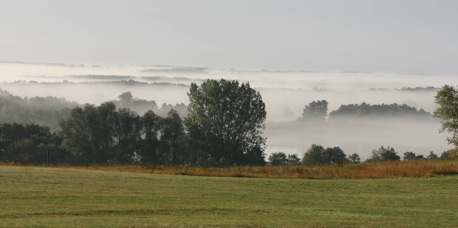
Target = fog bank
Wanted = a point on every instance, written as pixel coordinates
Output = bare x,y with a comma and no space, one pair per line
285,95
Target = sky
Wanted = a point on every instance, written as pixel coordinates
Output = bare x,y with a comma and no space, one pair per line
409,36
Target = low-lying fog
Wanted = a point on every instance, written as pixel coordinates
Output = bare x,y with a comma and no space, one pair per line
285,95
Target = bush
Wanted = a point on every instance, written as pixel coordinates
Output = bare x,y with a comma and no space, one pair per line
317,155
384,154
278,158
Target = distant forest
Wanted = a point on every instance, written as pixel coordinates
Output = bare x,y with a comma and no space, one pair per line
53,130
39,130
48,111
316,113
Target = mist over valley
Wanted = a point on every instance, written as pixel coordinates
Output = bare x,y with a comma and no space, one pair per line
285,94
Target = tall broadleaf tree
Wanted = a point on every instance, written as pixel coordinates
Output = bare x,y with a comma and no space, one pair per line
78,133
225,123
447,111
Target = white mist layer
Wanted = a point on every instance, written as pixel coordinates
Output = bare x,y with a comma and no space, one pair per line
285,95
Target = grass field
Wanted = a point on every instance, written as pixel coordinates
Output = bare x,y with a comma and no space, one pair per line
66,197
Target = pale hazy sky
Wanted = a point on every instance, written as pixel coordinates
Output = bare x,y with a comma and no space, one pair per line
407,36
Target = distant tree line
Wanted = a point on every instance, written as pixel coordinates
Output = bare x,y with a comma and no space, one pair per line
316,113
365,110
31,144
409,89
127,100
47,111
223,128
317,155
106,134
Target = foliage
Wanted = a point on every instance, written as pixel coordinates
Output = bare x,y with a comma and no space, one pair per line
451,154
335,155
46,111
364,110
384,154
318,155
105,134
141,106
293,159
150,131
126,135
354,158
225,123
419,89
314,155
278,158
432,156
173,139
315,112
88,133
447,111
30,144
409,155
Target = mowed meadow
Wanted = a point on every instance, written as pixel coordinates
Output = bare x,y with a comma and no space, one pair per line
107,196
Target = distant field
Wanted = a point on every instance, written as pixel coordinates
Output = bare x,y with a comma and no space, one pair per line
66,197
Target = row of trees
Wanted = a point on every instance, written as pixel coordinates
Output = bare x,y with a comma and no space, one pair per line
314,156
31,144
318,155
47,111
159,141
127,100
365,110
105,134
316,112
223,127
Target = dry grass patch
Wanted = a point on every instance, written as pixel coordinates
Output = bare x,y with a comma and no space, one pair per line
403,169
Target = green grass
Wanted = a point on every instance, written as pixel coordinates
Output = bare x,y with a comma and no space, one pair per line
65,197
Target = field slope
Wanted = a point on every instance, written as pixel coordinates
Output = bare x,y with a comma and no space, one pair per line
65,197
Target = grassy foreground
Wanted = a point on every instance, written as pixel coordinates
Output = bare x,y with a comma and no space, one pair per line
65,197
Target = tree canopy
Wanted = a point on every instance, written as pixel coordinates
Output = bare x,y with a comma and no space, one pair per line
280,158
318,155
106,134
315,112
447,111
30,144
225,123
384,154
363,110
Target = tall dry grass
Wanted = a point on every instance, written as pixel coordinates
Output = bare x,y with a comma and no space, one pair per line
402,169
